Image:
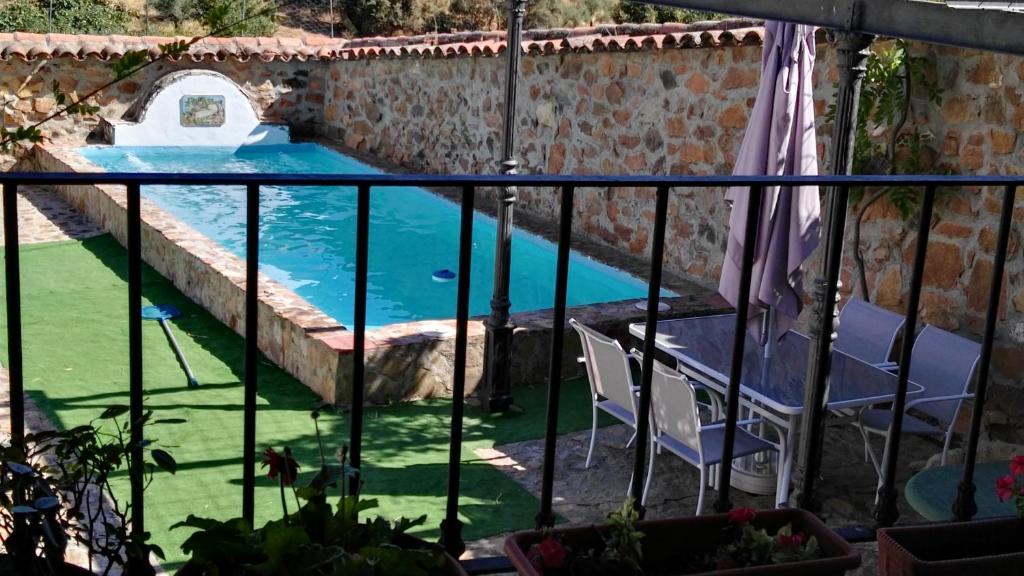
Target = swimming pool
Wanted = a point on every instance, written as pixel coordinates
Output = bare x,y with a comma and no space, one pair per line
307,235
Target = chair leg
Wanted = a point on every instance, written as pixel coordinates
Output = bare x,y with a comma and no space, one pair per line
650,474
703,487
631,439
945,445
869,451
593,437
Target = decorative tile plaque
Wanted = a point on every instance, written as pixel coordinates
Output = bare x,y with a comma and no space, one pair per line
202,111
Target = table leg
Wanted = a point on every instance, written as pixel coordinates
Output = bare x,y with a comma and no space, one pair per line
787,466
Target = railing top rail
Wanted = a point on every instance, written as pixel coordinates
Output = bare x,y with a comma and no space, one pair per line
542,181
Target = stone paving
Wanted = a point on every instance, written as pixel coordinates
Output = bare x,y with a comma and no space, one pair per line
43,216
584,496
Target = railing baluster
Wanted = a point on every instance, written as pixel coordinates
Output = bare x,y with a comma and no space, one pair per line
12,269
135,384
732,400
252,351
643,422
359,344
451,526
546,517
965,506
886,513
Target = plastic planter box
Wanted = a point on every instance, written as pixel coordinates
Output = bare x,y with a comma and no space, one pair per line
664,539
984,547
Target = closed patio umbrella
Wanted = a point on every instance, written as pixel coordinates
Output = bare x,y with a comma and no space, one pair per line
779,141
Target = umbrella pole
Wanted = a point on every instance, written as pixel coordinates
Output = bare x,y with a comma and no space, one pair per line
853,50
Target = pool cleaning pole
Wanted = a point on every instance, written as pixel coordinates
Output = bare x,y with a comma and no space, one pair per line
192,382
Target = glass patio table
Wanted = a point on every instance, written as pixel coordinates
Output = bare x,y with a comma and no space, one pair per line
772,388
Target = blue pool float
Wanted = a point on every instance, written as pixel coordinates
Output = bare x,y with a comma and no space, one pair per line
444,275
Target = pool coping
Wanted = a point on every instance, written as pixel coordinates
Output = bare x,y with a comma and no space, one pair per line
403,361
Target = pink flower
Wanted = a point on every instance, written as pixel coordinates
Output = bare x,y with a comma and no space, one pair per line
1005,488
1017,465
552,553
741,516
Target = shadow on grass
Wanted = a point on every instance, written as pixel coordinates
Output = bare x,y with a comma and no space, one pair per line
76,355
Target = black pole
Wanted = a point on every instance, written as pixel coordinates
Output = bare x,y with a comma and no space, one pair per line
359,344
739,341
451,526
886,511
252,351
135,384
495,392
546,517
965,506
852,52
12,270
643,421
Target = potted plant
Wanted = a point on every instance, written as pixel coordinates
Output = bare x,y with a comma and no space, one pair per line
58,488
783,541
990,547
317,538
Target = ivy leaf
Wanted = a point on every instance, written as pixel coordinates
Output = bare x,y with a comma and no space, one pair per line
165,461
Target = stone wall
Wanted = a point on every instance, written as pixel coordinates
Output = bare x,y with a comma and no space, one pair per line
676,110
291,92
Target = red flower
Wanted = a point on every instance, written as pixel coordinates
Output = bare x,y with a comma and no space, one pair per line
1017,465
793,541
1005,488
741,516
284,465
552,553
725,564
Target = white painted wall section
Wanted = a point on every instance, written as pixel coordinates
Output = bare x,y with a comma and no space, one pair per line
161,121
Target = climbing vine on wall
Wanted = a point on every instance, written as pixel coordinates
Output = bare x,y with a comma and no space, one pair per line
887,139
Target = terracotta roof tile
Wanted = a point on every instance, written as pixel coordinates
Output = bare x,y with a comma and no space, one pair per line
30,47
612,38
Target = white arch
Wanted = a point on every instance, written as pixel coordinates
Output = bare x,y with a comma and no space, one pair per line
230,118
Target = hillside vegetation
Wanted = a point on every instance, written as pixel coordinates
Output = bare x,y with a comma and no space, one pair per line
348,18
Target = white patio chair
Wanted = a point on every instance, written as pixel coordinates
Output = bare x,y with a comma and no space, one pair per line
868,333
611,381
944,364
676,426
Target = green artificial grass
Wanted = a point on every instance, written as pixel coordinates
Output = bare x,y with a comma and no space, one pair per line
75,315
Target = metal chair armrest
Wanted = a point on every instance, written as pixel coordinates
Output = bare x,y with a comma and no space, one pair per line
718,425
920,401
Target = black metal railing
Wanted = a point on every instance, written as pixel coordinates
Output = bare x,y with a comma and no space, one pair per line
470,185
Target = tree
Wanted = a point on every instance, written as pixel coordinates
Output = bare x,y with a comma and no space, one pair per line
65,16
639,12
376,17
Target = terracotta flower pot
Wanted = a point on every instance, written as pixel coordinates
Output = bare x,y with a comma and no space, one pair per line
984,547
699,535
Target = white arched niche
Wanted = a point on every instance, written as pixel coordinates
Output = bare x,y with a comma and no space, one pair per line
194,108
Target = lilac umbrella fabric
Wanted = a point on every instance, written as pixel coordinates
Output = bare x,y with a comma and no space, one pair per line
779,141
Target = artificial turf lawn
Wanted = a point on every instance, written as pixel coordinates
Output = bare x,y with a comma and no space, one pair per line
74,310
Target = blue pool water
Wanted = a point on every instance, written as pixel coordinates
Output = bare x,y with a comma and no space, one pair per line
307,235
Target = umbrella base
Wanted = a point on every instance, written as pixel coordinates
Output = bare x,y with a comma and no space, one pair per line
755,475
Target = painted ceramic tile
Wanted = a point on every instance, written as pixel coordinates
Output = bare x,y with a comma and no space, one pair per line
202,111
